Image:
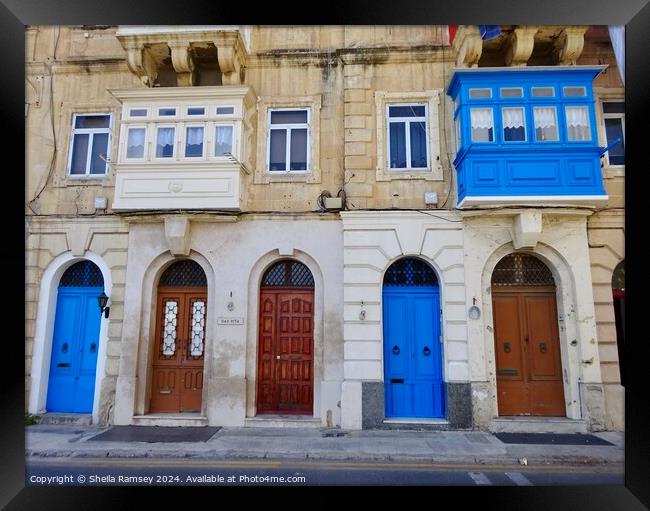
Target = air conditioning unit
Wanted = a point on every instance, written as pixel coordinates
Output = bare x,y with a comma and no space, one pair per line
333,203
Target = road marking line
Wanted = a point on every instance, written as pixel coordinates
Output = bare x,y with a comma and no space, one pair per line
479,478
518,478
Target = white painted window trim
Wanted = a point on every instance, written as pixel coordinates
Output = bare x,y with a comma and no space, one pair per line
432,100
91,132
288,128
138,118
125,142
157,127
213,131
164,118
196,116
611,116
407,121
186,126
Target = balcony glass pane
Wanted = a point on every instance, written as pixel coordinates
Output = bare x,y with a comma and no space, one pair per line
165,112
298,149
196,111
79,154
482,125
543,92
512,92
100,148
278,150
135,143
225,110
574,91
165,143
514,124
545,124
223,141
194,142
418,144
397,132
480,93
138,112
577,120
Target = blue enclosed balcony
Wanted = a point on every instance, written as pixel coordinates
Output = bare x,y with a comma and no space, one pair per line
526,135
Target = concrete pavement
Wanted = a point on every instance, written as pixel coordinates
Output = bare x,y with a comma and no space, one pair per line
440,447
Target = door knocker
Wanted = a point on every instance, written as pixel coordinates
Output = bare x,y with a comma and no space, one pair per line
395,350
506,347
426,351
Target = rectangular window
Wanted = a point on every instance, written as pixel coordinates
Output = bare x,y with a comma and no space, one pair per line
514,124
542,92
482,124
545,118
194,141
288,140
89,149
138,112
480,93
196,110
165,142
459,140
223,140
577,122
225,110
572,91
512,92
614,117
408,137
135,143
166,112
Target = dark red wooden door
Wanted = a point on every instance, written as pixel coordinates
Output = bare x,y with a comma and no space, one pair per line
285,377
529,368
177,383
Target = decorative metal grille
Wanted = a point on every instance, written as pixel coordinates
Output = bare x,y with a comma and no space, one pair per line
184,273
288,274
410,272
522,270
169,330
198,328
82,274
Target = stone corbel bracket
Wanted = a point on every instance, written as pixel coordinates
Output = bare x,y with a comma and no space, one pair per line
527,228
467,46
231,55
520,45
141,63
178,234
569,45
181,55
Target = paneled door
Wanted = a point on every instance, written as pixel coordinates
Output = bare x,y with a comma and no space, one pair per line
285,378
529,367
177,369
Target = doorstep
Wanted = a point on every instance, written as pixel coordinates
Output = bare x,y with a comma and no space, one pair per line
282,421
170,420
537,425
67,419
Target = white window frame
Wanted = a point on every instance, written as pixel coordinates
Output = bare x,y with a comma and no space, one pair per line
195,116
138,117
503,133
233,149
407,121
174,155
185,127
620,116
216,108
90,132
125,151
166,117
288,128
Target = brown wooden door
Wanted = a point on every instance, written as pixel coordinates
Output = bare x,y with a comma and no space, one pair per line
529,368
285,377
177,383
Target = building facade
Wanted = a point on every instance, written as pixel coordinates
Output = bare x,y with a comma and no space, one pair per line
355,227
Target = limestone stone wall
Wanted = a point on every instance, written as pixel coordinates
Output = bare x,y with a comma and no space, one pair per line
606,251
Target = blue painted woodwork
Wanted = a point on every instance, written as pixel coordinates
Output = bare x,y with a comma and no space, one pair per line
75,345
491,172
412,352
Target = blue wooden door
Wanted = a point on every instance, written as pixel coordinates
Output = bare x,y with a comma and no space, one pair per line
412,352
75,345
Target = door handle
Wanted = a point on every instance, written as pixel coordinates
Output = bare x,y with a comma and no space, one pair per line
93,347
506,347
64,347
542,347
395,350
426,351
277,357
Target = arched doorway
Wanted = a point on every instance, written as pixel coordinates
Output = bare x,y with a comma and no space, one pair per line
412,341
177,367
527,346
75,342
285,363
618,295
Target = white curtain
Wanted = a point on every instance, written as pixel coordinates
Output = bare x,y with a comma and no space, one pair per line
194,136
481,117
545,117
617,36
224,140
577,119
165,136
513,117
136,137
